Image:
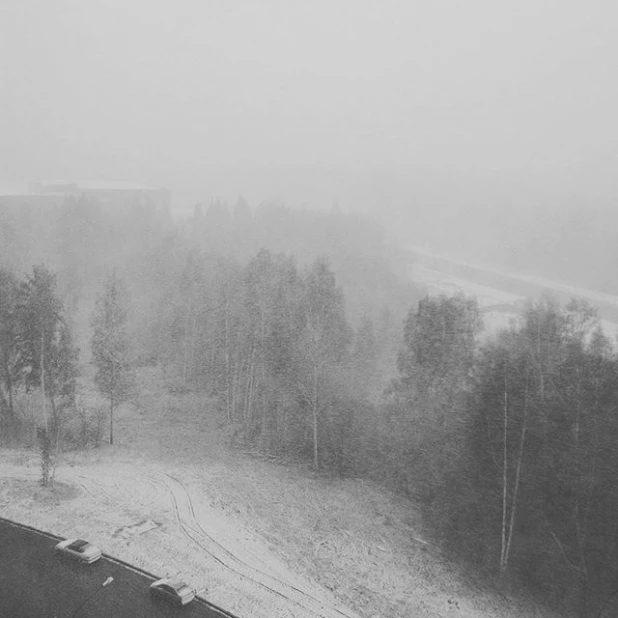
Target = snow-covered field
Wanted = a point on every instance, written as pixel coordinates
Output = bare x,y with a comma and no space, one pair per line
265,539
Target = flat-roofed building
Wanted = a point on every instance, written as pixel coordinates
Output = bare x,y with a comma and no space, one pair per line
113,193
15,196
107,193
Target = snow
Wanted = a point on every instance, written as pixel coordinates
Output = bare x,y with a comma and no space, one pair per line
263,539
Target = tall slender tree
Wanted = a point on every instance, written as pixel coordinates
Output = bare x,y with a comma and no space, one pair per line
110,346
322,347
9,342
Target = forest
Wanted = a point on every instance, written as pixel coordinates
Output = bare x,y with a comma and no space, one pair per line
302,329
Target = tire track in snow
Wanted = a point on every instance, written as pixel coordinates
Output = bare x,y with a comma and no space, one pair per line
185,514
275,585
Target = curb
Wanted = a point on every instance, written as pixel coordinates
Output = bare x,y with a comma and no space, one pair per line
126,565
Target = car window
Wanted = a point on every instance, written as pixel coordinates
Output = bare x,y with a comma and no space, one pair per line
79,546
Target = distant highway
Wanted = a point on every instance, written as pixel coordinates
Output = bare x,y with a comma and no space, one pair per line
36,582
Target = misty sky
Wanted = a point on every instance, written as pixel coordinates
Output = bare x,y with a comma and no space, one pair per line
264,97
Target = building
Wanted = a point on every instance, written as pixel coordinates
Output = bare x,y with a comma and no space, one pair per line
112,194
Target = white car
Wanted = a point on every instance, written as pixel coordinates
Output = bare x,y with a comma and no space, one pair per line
173,590
79,550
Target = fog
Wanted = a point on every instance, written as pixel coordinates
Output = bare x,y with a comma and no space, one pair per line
349,101
320,295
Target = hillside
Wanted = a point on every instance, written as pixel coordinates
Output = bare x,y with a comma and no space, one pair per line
267,538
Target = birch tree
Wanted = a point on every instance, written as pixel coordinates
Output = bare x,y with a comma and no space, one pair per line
322,347
9,343
48,359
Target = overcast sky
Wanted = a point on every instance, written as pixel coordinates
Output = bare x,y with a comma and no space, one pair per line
266,97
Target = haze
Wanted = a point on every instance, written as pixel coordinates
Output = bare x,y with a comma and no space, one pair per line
349,101
312,305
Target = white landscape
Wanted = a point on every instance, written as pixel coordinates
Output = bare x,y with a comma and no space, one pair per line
254,257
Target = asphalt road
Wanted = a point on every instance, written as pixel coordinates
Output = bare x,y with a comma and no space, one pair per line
37,582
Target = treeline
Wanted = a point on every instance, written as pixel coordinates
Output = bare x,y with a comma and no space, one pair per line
82,239
368,268
510,447
271,343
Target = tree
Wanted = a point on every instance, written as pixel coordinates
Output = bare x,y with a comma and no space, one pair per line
364,360
322,346
48,359
439,340
9,342
110,346
533,500
435,366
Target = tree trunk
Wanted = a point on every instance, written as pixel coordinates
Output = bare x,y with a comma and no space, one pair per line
111,420
517,480
185,365
43,402
192,367
504,475
228,369
285,427
111,403
581,521
251,385
46,443
507,531
9,384
56,440
315,421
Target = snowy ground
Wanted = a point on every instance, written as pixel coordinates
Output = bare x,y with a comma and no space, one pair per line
267,540
592,295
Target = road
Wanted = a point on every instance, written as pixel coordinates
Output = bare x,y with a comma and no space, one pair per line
36,582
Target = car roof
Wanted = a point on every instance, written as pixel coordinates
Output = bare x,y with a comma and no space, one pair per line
176,584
